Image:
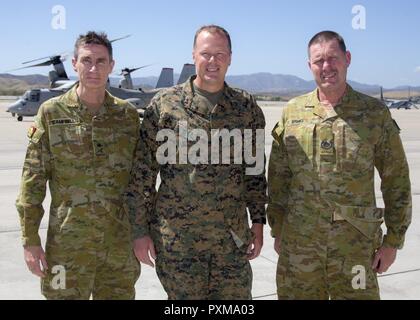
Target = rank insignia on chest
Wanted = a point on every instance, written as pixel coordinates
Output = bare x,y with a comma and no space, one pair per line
327,145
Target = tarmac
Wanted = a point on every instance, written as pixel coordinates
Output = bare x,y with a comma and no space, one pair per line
401,282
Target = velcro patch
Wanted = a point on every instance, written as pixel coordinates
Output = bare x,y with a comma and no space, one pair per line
31,132
296,121
35,134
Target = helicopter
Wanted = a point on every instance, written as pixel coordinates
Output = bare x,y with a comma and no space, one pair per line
29,103
409,103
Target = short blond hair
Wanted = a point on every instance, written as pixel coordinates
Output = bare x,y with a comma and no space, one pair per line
212,28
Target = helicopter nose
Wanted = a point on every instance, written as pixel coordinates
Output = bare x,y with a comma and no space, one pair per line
15,107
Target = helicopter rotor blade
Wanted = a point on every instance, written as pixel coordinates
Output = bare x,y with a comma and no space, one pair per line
42,64
49,57
134,69
124,37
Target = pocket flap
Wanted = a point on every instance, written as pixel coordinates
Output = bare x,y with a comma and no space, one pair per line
365,219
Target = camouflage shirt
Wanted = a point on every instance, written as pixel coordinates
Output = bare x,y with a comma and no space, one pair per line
197,205
325,159
86,160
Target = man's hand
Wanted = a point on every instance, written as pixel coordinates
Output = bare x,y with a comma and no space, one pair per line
34,258
384,258
142,247
277,244
254,248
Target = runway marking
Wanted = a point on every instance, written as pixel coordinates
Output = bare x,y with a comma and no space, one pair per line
264,296
275,262
401,272
18,230
11,168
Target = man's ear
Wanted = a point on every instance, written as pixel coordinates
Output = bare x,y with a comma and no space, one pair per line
73,62
193,56
348,58
112,64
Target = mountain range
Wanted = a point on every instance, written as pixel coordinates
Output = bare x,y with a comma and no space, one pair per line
263,82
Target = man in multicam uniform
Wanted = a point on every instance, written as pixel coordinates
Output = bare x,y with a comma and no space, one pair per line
322,207
196,225
83,144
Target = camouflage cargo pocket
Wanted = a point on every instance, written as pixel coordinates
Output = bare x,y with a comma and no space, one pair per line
366,220
66,140
353,150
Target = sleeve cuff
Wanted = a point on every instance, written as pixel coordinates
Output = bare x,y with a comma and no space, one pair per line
393,241
256,211
139,232
31,241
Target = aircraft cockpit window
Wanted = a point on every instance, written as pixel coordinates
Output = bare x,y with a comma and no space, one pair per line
34,96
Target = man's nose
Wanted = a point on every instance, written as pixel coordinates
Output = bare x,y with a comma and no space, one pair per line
93,67
326,64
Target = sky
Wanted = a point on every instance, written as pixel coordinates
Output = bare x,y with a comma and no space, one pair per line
267,35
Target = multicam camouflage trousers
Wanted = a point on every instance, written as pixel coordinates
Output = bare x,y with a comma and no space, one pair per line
330,261
91,262
206,275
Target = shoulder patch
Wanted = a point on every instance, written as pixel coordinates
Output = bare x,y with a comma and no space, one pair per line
35,134
31,131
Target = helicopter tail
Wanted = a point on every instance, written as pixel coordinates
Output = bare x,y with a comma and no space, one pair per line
166,78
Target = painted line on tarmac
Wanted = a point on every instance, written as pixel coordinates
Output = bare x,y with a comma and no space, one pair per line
395,273
265,296
11,168
6,230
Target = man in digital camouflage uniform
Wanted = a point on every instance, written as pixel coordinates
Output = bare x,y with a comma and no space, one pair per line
196,225
83,144
322,207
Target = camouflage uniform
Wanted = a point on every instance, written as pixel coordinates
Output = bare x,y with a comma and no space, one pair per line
198,219
87,161
321,194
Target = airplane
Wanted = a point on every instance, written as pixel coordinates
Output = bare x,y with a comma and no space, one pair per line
387,102
28,104
405,104
410,103
58,77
